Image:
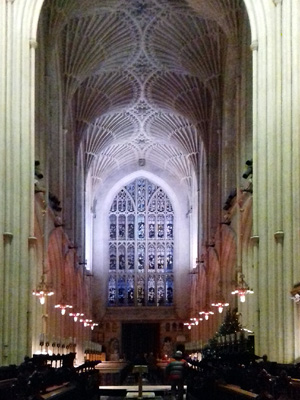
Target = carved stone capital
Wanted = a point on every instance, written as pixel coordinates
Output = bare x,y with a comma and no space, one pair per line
279,235
8,236
255,239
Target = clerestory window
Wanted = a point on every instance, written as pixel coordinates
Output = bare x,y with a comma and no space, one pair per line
141,246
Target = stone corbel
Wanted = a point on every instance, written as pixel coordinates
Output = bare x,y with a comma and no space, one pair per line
279,235
8,236
255,239
32,240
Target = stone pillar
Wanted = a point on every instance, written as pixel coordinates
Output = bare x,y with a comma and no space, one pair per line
275,35
17,174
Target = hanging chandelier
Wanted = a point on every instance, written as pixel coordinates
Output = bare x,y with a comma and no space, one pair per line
189,324
63,305
206,312
220,303
86,322
76,315
43,290
196,320
93,324
242,289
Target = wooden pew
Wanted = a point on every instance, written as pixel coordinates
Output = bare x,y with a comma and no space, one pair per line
235,392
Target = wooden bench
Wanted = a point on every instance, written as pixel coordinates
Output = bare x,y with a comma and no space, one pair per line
236,392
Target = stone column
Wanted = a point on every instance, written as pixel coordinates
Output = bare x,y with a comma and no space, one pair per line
17,174
276,173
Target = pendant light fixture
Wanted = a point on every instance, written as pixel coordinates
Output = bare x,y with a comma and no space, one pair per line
220,302
63,305
189,324
43,289
242,289
206,312
76,315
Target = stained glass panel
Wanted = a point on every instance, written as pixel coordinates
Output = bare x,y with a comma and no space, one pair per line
169,207
151,189
112,258
121,252
112,290
113,227
140,291
151,257
130,229
130,257
160,201
169,256
141,250
160,257
131,189
151,290
160,226
151,226
169,226
160,291
141,257
122,201
141,227
121,289
130,290
169,290
121,226
141,200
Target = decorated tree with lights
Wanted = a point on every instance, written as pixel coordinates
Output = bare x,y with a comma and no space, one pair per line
231,323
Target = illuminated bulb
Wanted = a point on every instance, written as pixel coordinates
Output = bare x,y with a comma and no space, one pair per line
220,309
63,311
242,298
42,299
206,316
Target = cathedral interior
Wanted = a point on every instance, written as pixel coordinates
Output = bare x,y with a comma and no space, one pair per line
150,171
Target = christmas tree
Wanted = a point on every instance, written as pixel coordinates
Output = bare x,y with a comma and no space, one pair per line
231,323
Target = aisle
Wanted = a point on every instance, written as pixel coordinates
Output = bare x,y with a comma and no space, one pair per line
121,392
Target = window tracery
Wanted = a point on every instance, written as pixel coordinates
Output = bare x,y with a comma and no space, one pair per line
141,246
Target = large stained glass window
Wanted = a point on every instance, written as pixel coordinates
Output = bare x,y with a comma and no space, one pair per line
141,246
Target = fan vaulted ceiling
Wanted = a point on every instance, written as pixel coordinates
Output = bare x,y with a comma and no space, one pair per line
143,78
